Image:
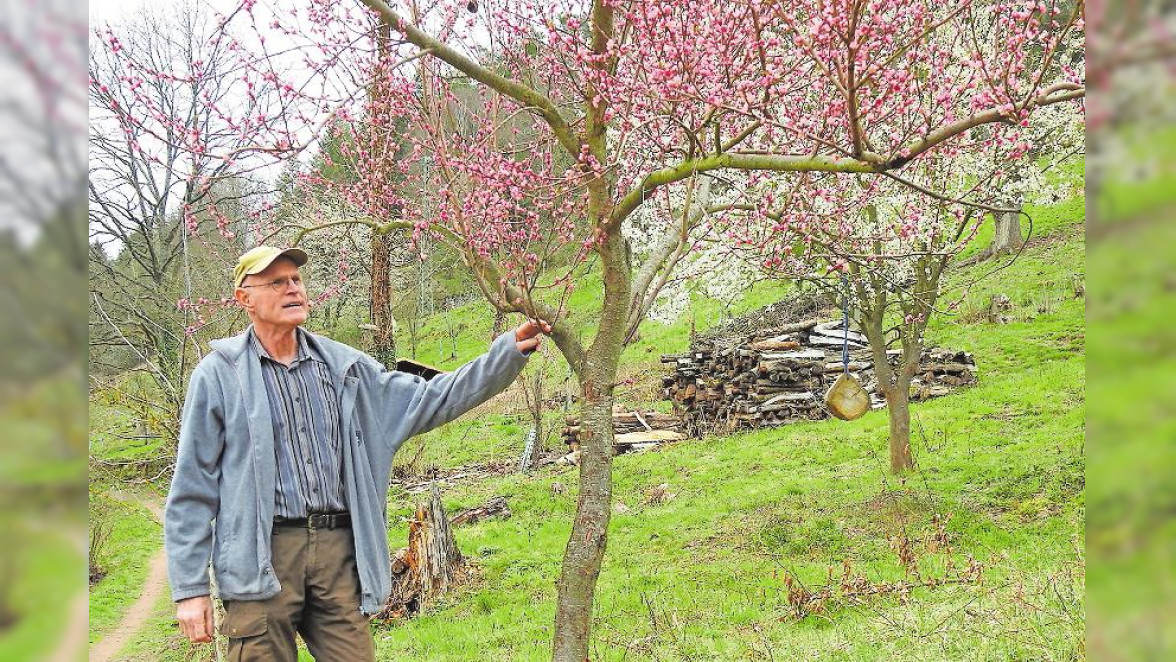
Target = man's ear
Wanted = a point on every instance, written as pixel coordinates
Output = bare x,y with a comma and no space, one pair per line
242,296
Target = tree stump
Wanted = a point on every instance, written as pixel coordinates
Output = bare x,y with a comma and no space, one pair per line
429,566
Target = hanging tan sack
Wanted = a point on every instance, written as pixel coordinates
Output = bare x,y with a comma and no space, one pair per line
847,399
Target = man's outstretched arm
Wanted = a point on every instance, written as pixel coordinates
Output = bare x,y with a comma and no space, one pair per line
416,405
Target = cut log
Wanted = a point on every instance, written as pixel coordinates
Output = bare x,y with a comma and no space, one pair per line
854,366
828,341
659,436
496,506
788,397
775,345
836,329
799,355
946,367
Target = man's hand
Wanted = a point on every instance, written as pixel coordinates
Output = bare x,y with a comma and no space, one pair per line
527,335
195,617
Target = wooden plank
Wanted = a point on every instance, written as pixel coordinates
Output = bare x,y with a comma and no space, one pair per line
854,366
799,355
775,345
826,341
660,436
803,396
835,329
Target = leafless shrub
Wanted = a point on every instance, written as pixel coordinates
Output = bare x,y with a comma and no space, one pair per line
100,530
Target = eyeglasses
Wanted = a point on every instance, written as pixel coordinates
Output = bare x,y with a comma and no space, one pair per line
280,284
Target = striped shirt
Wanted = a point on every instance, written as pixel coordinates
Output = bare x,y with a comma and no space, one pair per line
307,436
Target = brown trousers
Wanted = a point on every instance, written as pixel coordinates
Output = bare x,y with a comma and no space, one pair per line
319,600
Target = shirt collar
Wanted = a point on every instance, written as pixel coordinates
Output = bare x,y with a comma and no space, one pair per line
305,351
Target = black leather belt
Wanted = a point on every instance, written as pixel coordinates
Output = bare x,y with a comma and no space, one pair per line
315,521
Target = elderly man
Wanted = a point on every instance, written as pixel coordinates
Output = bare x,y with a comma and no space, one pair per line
286,446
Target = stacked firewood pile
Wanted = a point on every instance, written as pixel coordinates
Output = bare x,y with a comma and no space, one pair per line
633,430
780,374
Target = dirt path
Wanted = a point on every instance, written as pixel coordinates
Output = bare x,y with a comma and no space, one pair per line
153,587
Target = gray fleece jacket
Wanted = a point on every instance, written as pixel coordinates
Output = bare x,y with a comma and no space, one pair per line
221,503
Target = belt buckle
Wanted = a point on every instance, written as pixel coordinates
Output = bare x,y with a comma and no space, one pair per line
310,521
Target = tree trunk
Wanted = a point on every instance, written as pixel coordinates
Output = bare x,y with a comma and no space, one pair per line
894,381
898,407
1007,237
585,549
384,336
598,377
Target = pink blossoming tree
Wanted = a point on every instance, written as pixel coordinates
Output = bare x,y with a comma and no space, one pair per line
532,135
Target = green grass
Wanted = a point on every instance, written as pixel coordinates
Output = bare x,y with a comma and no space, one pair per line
473,439
701,576
42,572
42,555
135,537
1132,427
114,437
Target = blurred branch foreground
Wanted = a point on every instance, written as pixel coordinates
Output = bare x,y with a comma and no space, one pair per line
42,338
1131,225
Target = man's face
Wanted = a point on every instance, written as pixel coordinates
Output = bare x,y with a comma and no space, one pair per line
286,306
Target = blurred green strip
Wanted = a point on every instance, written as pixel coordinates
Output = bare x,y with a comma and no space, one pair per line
1131,424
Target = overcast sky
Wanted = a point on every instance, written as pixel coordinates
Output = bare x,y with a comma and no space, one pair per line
102,11
114,11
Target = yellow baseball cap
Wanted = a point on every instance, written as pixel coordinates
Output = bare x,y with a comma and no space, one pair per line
255,260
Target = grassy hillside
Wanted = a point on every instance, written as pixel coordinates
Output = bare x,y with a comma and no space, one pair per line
994,519
453,337
701,575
